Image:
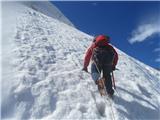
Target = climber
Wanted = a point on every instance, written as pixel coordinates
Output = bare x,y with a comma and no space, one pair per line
104,59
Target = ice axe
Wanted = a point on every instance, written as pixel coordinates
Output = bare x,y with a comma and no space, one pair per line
113,81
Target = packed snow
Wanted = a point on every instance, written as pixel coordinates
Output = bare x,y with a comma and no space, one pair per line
42,59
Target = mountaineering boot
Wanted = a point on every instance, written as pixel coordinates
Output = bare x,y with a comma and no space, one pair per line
101,87
110,94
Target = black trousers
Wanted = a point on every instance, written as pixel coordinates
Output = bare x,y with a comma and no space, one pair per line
108,79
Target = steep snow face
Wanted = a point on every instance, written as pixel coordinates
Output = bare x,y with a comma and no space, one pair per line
42,78
48,9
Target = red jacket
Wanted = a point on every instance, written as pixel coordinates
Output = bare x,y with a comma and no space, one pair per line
89,55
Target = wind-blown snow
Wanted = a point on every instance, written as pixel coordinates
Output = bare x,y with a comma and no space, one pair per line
42,78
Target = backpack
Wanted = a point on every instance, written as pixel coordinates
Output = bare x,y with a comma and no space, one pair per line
103,55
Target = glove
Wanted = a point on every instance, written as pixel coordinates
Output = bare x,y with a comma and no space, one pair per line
113,68
85,69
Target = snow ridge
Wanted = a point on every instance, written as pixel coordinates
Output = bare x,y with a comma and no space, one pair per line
47,81
48,9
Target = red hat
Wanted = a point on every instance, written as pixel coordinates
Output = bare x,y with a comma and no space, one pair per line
102,37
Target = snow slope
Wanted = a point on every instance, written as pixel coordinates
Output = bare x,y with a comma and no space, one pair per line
42,78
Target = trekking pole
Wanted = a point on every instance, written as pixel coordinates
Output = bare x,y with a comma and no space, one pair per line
114,85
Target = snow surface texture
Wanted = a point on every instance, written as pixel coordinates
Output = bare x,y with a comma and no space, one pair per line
42,78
